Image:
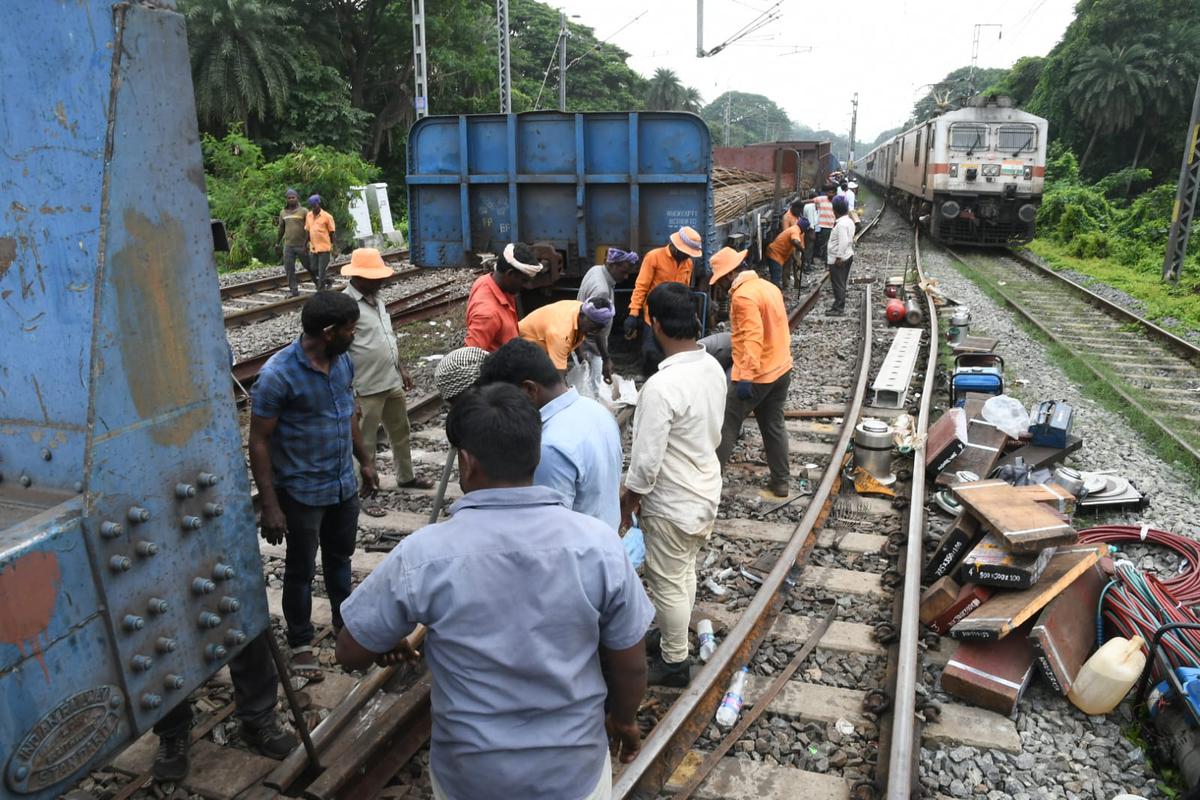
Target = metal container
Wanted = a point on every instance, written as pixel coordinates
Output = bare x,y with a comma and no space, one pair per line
873,449
960,325
1069,479
573,181
913,313
124,499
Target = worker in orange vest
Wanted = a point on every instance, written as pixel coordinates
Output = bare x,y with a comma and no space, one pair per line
671,263
762,362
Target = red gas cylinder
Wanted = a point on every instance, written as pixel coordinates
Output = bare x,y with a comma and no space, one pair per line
890,290
894,311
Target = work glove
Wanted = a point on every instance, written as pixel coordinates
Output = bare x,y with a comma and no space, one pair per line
745,390
632,324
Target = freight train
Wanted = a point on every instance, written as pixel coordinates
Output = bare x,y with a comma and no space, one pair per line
973,176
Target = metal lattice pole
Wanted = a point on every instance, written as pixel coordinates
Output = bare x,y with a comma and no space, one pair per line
505,71
1185,198
562,61
853,130
420,73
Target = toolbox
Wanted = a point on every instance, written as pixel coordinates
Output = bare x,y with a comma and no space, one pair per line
1051,423
984,379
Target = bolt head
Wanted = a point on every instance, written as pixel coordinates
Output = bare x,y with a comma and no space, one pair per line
21,773
46,454
25,480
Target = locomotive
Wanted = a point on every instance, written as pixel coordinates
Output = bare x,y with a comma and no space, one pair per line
974,175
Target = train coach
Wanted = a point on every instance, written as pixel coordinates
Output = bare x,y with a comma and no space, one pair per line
974,175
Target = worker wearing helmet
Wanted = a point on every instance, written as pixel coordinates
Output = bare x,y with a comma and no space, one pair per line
671,263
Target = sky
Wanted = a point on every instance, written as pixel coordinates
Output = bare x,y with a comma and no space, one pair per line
887,50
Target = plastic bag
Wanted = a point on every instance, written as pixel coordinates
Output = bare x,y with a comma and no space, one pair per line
635,546
1007,414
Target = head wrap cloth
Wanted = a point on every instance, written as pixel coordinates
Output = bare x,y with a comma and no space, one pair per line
600,316
458,371
618,256
529,270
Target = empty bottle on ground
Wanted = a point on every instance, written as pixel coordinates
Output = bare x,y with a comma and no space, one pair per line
731,705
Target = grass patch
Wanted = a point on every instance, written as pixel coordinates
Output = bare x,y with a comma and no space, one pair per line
1176,307
1078,371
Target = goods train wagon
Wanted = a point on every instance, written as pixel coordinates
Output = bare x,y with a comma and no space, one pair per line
973,175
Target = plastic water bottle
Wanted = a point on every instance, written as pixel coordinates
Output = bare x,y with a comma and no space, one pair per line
731,705
706,640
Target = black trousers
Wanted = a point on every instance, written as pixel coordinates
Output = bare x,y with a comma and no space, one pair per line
766,401
837,279
333,530
822,243
255,689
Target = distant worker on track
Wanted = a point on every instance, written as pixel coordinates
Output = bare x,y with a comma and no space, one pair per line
781,250
524,599
380,379
291,241
810,238
581,443
762,363
492,303
601,281
321,229
674,479
667,264
825,220
840,254
560,328
304,438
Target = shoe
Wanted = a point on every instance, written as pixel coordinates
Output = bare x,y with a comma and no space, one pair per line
662,673
171,764
654,643
779,488
269,740
834,311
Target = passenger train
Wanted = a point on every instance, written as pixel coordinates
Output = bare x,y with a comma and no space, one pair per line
973,176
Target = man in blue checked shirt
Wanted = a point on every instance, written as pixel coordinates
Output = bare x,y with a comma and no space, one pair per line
303,440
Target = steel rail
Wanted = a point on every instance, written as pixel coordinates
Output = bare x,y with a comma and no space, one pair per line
270,282
1088,362
692,712
1183,347
801,309
904,735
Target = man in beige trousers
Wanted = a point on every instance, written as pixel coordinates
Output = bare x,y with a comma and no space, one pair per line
380,380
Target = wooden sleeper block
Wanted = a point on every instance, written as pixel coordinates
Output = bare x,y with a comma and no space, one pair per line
970,597
962,535
1065,632
992,675
1006,611
946,439
990,563
937,598
1023,524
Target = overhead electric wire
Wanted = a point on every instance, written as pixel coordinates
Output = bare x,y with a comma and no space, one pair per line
604,41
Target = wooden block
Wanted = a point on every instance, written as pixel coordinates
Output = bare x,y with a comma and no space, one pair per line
1038,457
947,438
992,675
962,535
937,598
1006,611
970,597
1049,494
990,563
1024,525
975,344
1065,632
984,444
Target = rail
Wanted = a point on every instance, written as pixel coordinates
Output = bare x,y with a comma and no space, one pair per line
801,309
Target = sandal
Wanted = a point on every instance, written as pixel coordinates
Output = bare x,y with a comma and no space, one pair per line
304,665
374,510
416,483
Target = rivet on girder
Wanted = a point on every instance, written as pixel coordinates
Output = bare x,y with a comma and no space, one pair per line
173,681
213,509
202,586
191,523
146,549
234,637
158,606
184,490
46,454
165,645
138,514
25,480
151,701
133,622
215,652
207,480
119,563
111,530
208,619
229,605
223,572
141,663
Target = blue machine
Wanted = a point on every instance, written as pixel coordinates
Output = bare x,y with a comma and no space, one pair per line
576,182
129,564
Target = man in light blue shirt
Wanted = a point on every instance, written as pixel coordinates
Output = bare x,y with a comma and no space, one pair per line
523,599
581,443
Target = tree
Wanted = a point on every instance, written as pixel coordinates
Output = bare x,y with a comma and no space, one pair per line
1109,86
666,92
242,66
953,91
752,118
692,101
1020,81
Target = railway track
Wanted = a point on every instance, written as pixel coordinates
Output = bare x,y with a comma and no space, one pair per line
266,298
1155,372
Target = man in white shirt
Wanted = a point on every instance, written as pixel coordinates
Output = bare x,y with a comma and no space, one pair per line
840,254
674,478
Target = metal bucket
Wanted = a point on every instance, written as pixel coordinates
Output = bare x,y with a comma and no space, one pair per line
960,325
873,449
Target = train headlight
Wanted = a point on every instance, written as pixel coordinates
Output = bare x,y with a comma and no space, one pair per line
1027,174
950,209
991,170
1027,212
954,170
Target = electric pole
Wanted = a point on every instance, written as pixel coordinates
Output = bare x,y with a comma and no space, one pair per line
505,72
979,26
700,29
728,101
1185,198
562,61
853,129
420,74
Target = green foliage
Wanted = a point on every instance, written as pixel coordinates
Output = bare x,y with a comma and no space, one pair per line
1115,183
667,93
752,118
1070,209
318,111
242,64
953,91
1092,244
246,191
1020,80
1062,167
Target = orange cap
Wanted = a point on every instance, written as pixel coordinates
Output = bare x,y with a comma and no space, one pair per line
688,241
365,262
725,261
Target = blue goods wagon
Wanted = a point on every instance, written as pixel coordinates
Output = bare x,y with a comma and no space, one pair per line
129,566
573,183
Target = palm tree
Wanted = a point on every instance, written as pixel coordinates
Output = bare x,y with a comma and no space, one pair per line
241,62
666,92
1109,88
692,101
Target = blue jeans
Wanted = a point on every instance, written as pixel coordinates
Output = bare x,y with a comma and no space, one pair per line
776,272
255,684
333,529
